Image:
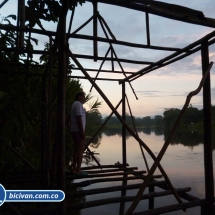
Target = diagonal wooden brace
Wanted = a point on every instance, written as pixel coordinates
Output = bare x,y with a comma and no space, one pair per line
166,144
125,124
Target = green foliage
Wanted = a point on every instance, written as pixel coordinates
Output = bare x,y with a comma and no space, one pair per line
170,116
43,10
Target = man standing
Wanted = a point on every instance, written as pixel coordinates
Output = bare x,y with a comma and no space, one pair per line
78,122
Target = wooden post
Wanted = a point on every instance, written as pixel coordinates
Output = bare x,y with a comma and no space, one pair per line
43,122
71,18
95,33
151,199
208,157
147,29
61,96
21,14
49,113
124,160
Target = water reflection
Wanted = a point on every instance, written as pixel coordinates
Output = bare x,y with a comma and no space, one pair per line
118,131
186,138
97,141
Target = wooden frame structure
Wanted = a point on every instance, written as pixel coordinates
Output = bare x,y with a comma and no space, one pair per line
170,11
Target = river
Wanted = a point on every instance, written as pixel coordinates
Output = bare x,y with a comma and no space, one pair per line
183,162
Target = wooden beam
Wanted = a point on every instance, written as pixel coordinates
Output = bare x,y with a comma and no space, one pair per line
124,154
208,149
111,189
93,181
194,50
82,205
118,166
87,37
208,22
95,30
136,173
147,29
170,57
113,59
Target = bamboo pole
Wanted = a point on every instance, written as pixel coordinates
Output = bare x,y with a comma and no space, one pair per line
103,70
123,122
101,20
160,62
107,27
44,120
112,63
95,30
111,189
3,3
114,59
21,13
112,170
100,180
95,79
61,95
49,109
208,149
118,166
82,205
144,157
42,66
147,29
119,42
151,199
135,173
167,142
101,66
87,37
88,21
124,158
208,22
72,16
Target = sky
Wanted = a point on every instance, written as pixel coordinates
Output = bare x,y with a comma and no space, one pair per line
163,88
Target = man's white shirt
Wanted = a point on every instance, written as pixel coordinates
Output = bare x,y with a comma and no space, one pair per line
77,110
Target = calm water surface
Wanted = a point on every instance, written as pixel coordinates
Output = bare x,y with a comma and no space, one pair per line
183,162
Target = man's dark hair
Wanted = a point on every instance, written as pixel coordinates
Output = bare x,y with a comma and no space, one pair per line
81,93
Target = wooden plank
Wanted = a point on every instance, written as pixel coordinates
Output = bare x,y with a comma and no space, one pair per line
82,205
104,166
111,170
108,174
93,181
111,189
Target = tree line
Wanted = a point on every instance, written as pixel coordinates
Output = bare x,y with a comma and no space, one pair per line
192,119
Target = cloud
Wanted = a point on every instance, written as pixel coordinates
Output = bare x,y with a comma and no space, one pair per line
149,93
